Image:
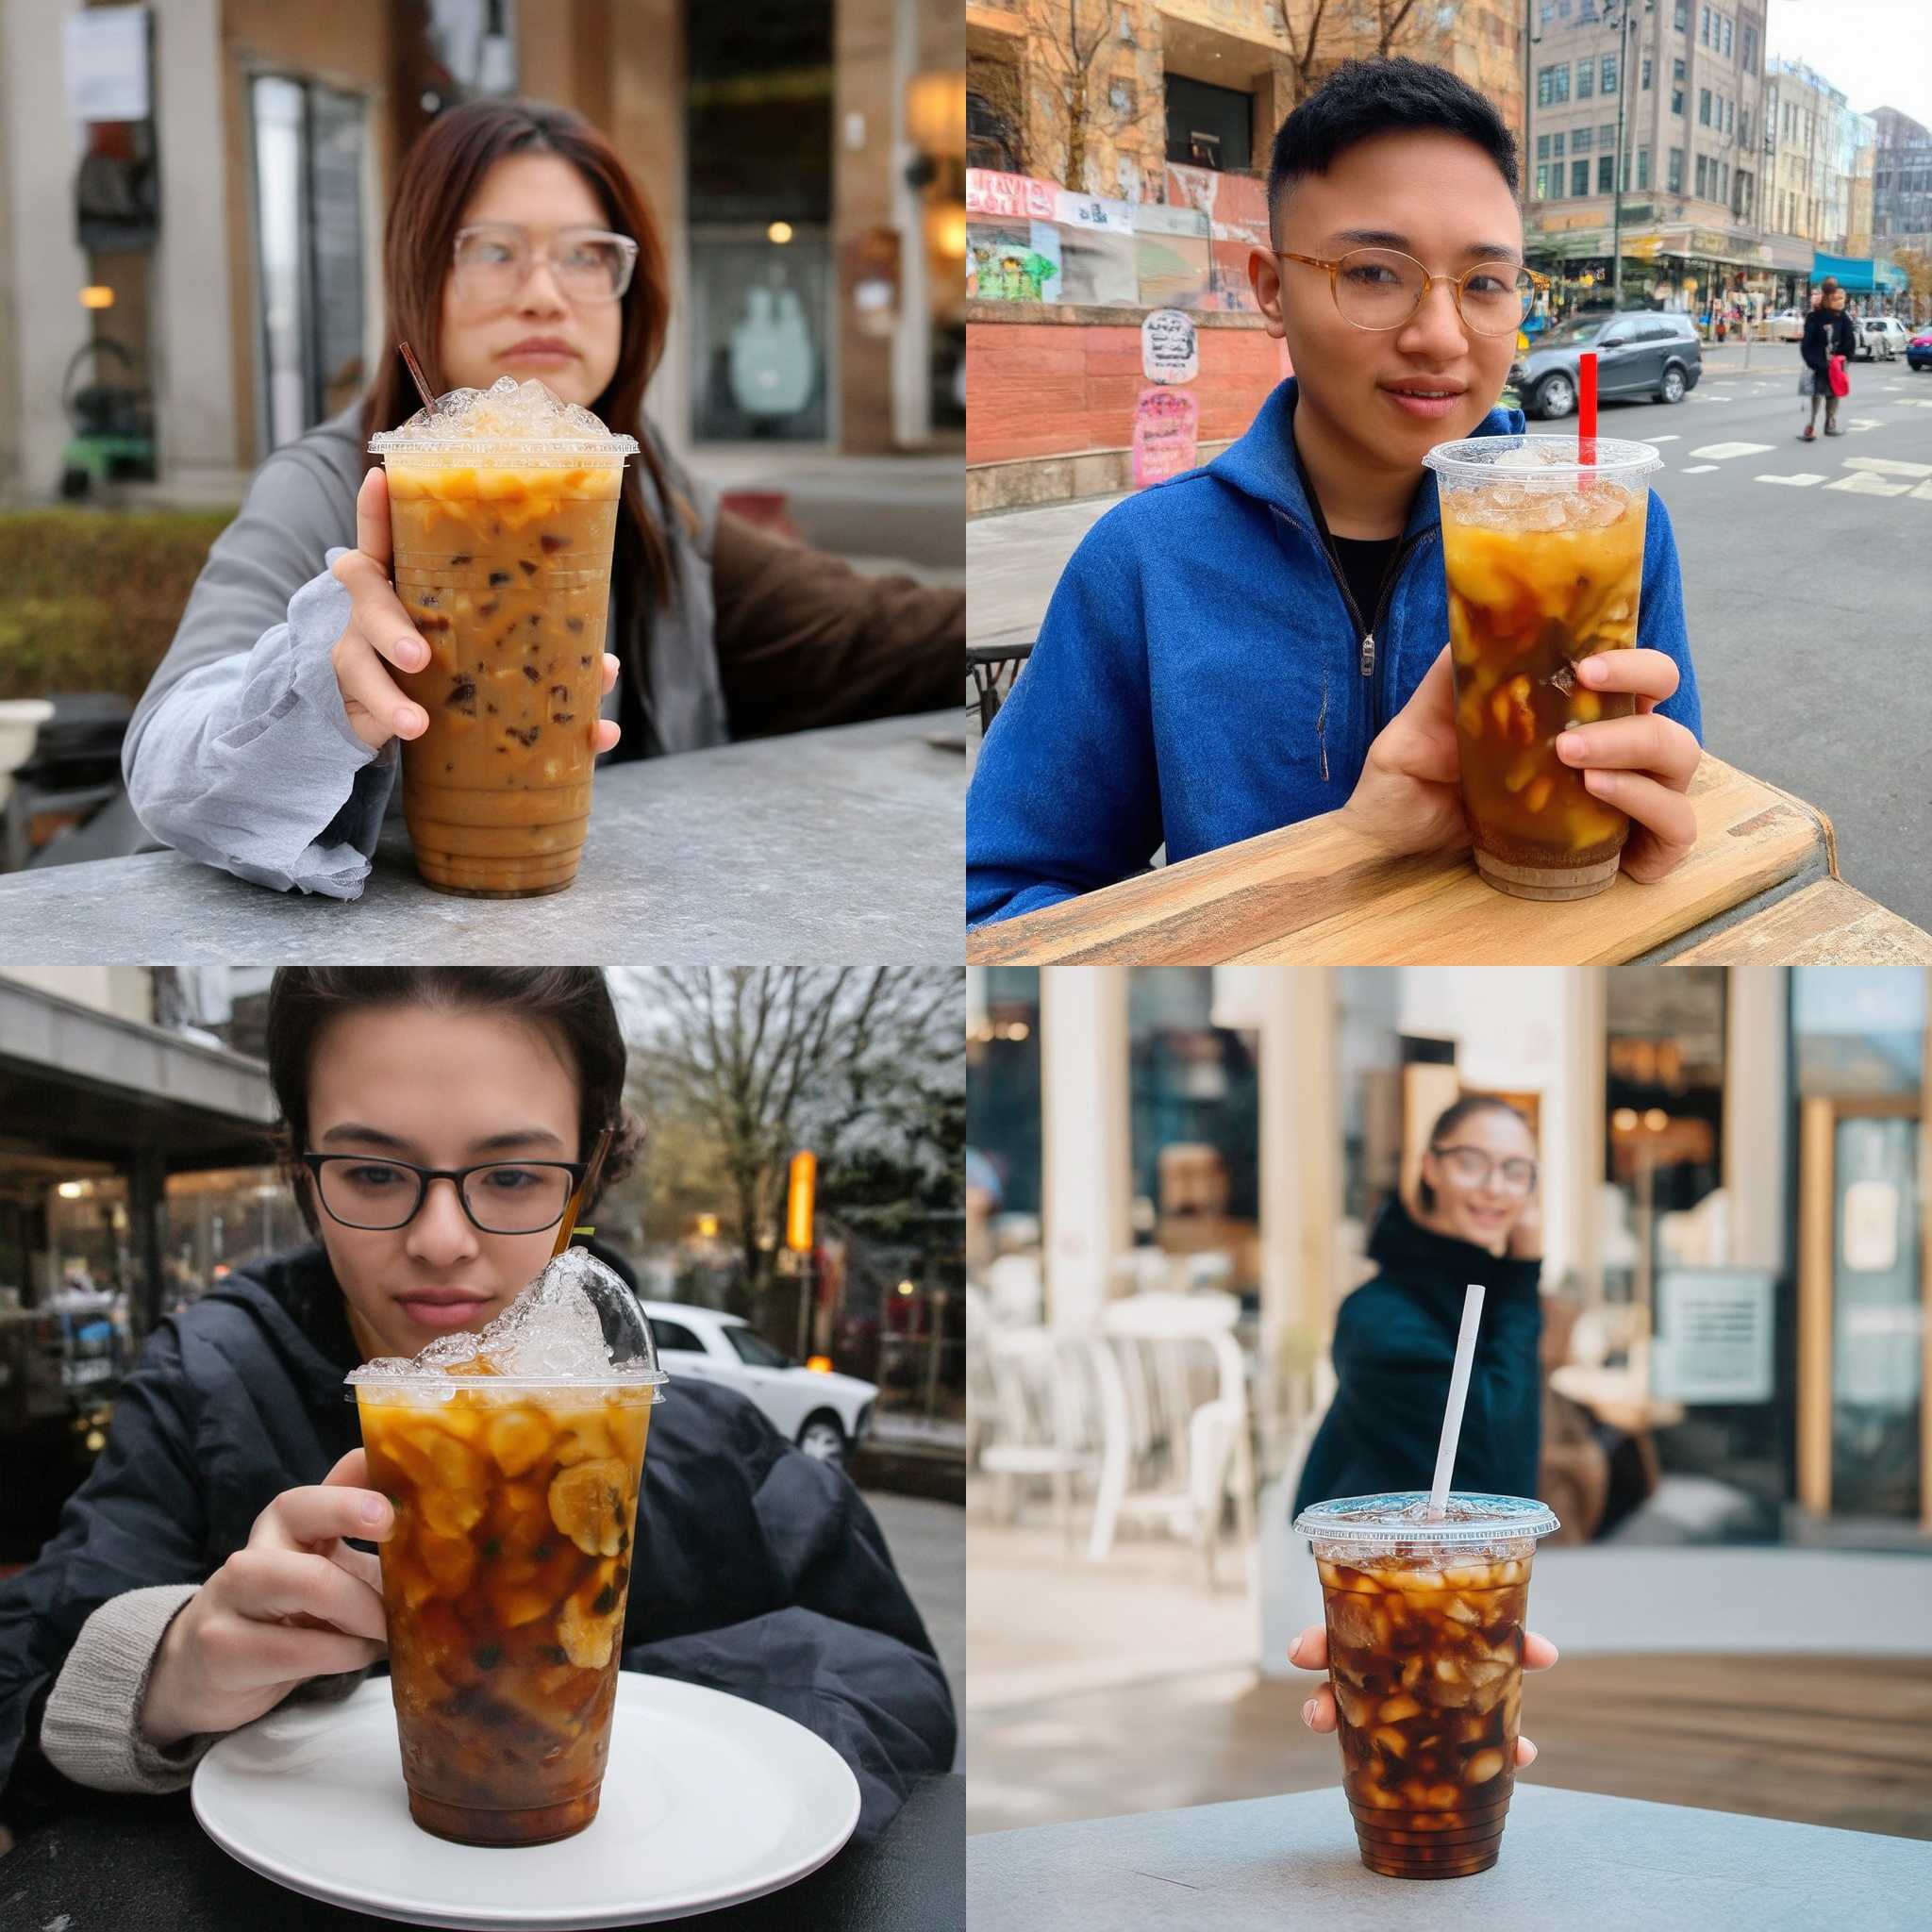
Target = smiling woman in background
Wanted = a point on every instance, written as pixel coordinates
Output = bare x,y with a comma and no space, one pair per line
517,245
1475,1219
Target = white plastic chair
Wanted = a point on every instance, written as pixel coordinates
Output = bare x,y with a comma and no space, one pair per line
1043,1420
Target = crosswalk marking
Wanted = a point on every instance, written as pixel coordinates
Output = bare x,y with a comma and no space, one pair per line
1924,493
1885,466
1803,480
1713,397
1674,436
1859,484
1697,469
1717,451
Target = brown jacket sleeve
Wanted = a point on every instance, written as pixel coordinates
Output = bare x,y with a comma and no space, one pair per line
802,639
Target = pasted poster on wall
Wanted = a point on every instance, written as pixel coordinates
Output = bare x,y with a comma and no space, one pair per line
1169,349
1011,195
1099,266
1174,259
1012,261
1236,206
1166,434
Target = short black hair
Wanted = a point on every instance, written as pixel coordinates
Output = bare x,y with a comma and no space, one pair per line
1364,98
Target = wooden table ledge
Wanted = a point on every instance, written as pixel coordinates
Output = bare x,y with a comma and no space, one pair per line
1319,893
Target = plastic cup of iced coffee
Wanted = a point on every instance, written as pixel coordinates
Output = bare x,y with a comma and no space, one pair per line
1425,1654
1544,558
503,511
514,1458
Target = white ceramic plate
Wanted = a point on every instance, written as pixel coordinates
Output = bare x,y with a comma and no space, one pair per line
708,1800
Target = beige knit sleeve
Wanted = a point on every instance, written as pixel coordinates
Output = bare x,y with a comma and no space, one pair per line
90,1731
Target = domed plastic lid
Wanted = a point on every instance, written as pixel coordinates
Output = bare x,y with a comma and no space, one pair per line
1400,1518
522,417
577,1324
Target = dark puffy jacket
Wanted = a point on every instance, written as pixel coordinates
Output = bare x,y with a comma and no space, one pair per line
1394,1346
1827,335
759,1571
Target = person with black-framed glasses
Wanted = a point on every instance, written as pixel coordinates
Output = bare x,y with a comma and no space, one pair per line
1474,1216
1265,639
435,1123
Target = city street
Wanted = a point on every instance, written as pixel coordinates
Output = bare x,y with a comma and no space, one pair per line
1807,633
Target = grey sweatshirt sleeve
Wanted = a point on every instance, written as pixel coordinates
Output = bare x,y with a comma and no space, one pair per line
91,1728
240,753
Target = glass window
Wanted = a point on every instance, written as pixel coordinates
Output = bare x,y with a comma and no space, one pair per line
1609,77
1586,79
1676,174
1003,1091
1606,135
1704,26
1543,183
1860,1029
1543,147
1195,1110
1676,87
1683,15
1545,85
754,1351
1703,174
674,1335
1703,106
1579,177
1728,34
758,153
1645,82
1750,48
1643,167
1579,141
1557,149
1563,81
1209,126
1605,173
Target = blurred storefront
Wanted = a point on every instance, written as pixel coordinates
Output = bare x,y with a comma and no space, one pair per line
1733,1194
191,200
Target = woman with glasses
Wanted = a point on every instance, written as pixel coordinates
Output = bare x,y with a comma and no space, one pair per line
435,1121
517,245
1474,1219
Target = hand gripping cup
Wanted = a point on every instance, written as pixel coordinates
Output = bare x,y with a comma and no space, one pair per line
1544,559
503,511
513,1458
1425,1654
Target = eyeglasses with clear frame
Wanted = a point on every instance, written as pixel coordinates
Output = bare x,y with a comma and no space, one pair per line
378,1195
1472,1168
1381,289
493,259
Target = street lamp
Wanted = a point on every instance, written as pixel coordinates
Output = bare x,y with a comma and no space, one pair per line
1620,14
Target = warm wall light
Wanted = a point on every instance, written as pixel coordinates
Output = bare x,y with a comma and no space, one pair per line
905,1287
708,1228
819,1364
71,1190
1625,1119
95,296
947,229
1655,1119
936,113
779,232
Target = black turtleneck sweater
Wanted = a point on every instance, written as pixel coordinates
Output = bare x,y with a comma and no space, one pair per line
1394,1346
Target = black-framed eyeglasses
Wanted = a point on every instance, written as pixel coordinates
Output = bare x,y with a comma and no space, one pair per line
494,258
1472,1168
377,1195
1383,287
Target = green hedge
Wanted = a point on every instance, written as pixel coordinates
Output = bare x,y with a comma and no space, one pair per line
89,599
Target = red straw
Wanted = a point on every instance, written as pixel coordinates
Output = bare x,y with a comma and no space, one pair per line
1586,403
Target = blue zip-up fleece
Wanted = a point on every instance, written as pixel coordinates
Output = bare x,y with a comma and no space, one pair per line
1198,679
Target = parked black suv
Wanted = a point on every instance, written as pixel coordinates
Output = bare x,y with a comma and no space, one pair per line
1641,353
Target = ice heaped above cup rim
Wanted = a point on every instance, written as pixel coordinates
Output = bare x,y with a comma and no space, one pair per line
577,1325
522,417
1555,461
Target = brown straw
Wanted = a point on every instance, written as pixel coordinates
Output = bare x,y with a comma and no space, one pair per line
417,377
586,1190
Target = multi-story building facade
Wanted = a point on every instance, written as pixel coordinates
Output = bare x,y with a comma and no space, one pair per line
1815,139
1683,184
1901,183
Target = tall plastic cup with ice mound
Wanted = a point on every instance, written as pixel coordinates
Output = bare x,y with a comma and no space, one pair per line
503,511
1425,1654
1544,559
513,1458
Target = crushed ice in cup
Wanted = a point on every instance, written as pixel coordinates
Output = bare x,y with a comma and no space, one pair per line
1526,457
508,411
551,1333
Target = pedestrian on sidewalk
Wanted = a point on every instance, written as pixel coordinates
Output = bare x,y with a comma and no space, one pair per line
1828,333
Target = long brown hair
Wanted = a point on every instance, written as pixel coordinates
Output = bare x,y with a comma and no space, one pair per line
572,1003
440,175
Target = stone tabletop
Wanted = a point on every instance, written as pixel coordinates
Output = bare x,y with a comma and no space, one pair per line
822,847
1571,1859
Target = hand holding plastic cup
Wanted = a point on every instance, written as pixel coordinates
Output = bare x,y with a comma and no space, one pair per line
514,1458
1543,545
502,512
1425,1594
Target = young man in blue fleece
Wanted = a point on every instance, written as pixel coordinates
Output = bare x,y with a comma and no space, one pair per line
1265,638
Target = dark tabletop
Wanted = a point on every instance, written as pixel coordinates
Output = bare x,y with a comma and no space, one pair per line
141,1864
817,848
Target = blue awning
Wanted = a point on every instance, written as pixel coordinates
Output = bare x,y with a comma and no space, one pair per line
1858,276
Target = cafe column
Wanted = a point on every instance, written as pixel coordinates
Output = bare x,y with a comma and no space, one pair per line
1084,1182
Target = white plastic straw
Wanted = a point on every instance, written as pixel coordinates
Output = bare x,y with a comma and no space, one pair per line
1459,1395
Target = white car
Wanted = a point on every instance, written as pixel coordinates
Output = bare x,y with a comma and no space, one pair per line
825,1415
1787,325
1881,336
